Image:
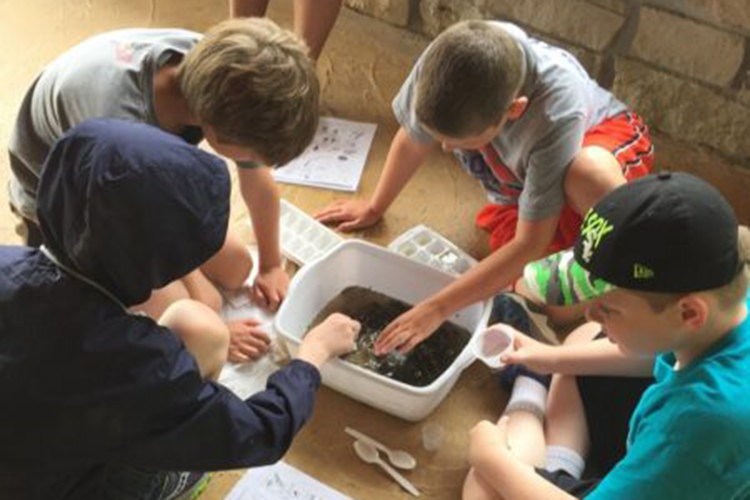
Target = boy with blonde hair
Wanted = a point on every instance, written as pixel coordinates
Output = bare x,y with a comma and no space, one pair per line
525,119
247,86
657,265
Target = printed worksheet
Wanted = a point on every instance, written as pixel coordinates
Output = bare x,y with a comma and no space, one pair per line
335,159
281,482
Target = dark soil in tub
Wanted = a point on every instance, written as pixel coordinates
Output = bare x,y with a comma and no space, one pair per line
375,310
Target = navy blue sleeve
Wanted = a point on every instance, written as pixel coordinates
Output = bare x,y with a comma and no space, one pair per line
198,425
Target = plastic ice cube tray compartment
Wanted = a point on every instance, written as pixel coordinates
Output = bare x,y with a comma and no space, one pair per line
430,247
303,239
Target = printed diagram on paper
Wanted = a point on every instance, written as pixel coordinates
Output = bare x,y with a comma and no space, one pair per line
335,159
281,482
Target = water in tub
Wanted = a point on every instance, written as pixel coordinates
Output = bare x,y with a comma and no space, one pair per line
375,310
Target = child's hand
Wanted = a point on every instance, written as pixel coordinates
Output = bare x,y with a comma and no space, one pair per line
488,442
409,329
534,355
350,215
270,288
335,336
247,342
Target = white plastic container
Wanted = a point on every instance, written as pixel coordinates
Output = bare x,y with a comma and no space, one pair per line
432,248
358,263
303,239
491,344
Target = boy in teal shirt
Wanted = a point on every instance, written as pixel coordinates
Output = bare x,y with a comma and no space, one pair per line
658,264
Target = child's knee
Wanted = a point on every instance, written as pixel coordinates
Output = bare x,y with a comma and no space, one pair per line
230,267
203,332
592,174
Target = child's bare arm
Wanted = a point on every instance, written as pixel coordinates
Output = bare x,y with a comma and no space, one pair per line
404,158
590,357
262,199
481,282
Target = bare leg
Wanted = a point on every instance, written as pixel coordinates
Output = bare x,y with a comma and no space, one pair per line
231,265
161,299
313,21
206,337
201,289
247,8
525,439
593,173
566,419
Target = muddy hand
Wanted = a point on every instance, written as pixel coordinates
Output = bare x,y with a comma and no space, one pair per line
335,336
409,329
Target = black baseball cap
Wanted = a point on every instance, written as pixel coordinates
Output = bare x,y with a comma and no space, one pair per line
668,232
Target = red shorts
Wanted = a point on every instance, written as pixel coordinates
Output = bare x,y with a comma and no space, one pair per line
625,135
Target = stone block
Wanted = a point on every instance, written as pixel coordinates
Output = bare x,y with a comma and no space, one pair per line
439,14
732,13
577,21
391,11
684,109
618,6
688,48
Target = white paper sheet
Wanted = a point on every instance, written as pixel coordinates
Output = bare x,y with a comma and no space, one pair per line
335,159
248,378
281,482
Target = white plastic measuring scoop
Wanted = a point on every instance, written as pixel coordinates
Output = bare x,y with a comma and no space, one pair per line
488,346
398,458
369,454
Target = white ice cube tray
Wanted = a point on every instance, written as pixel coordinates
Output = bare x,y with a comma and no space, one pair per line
303,239
430,247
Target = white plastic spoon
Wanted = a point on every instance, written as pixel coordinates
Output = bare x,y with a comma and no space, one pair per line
369,454
398,458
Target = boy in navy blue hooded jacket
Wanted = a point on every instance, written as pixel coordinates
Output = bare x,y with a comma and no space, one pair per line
98,402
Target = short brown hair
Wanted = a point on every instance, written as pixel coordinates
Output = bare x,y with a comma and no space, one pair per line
469,76
253,82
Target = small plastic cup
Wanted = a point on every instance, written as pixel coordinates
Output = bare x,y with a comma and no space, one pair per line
432,436
489,345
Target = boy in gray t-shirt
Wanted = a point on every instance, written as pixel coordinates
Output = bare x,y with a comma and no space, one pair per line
248,87
525,119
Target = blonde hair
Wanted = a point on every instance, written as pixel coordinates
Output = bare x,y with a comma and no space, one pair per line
727,297
469,76
253,82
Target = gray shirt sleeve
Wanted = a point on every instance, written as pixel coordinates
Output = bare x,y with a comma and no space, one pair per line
403,108
543,194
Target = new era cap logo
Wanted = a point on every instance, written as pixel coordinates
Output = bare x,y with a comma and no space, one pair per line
642,272
594,228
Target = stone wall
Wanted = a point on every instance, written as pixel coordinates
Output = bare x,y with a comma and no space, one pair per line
683,64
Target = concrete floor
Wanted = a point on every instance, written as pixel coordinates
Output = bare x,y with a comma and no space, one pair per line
361,69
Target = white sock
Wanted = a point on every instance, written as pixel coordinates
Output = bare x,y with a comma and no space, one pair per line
563,458
528,395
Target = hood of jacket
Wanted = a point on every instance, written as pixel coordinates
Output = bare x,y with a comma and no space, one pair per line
132,207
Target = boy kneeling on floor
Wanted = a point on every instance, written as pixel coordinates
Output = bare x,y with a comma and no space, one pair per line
99,403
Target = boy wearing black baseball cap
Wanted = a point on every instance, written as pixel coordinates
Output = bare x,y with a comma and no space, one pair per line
658,264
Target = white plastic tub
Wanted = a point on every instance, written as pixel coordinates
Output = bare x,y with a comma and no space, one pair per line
358,263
